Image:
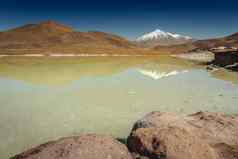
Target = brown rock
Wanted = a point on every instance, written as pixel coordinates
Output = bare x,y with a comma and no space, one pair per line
88,146
171,142
198,136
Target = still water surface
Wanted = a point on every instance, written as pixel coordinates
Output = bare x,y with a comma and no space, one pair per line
46,98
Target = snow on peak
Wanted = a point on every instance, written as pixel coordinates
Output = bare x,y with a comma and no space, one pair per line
155,75
159,34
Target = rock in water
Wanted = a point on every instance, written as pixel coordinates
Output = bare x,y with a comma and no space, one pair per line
198,136
87,146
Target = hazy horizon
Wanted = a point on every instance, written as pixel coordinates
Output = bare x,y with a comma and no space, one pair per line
200,20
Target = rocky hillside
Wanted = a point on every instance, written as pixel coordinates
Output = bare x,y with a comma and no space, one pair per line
51,36
33,35
175,49
229,41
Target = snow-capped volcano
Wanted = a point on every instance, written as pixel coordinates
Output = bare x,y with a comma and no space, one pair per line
159,37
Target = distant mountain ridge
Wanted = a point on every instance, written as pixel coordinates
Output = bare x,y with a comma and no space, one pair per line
51,36
51,32
227,41
159,37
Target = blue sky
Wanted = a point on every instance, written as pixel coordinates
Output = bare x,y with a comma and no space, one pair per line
199,19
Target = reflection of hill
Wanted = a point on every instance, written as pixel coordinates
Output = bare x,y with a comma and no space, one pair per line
226,75
55,71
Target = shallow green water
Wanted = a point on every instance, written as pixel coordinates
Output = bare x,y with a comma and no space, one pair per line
46,98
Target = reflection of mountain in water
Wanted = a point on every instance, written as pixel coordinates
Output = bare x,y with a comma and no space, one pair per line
158,75
57,71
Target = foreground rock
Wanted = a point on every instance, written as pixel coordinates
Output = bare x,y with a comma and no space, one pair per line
198,136
82,147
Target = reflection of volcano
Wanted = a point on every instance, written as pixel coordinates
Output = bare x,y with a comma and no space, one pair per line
60,71
158,75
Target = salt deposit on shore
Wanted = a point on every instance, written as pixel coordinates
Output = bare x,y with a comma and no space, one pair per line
204,56
33,55
69,55
23,55
91,55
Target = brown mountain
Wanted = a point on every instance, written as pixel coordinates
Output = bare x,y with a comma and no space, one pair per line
52,37
229,41
48,27
175,49
33,34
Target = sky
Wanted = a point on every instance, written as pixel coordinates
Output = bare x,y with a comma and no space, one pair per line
200,19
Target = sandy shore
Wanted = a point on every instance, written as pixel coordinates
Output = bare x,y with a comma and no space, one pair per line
88,55
68,55
25,55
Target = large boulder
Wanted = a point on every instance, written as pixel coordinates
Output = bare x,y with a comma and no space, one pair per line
89,146
201,135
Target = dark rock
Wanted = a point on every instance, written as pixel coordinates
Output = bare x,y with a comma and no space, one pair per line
227,59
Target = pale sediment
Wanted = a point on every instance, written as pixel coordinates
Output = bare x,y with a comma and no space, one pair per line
23,55
204,57
70,55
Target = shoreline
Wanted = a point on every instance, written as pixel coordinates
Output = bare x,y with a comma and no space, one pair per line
75,55
203,57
